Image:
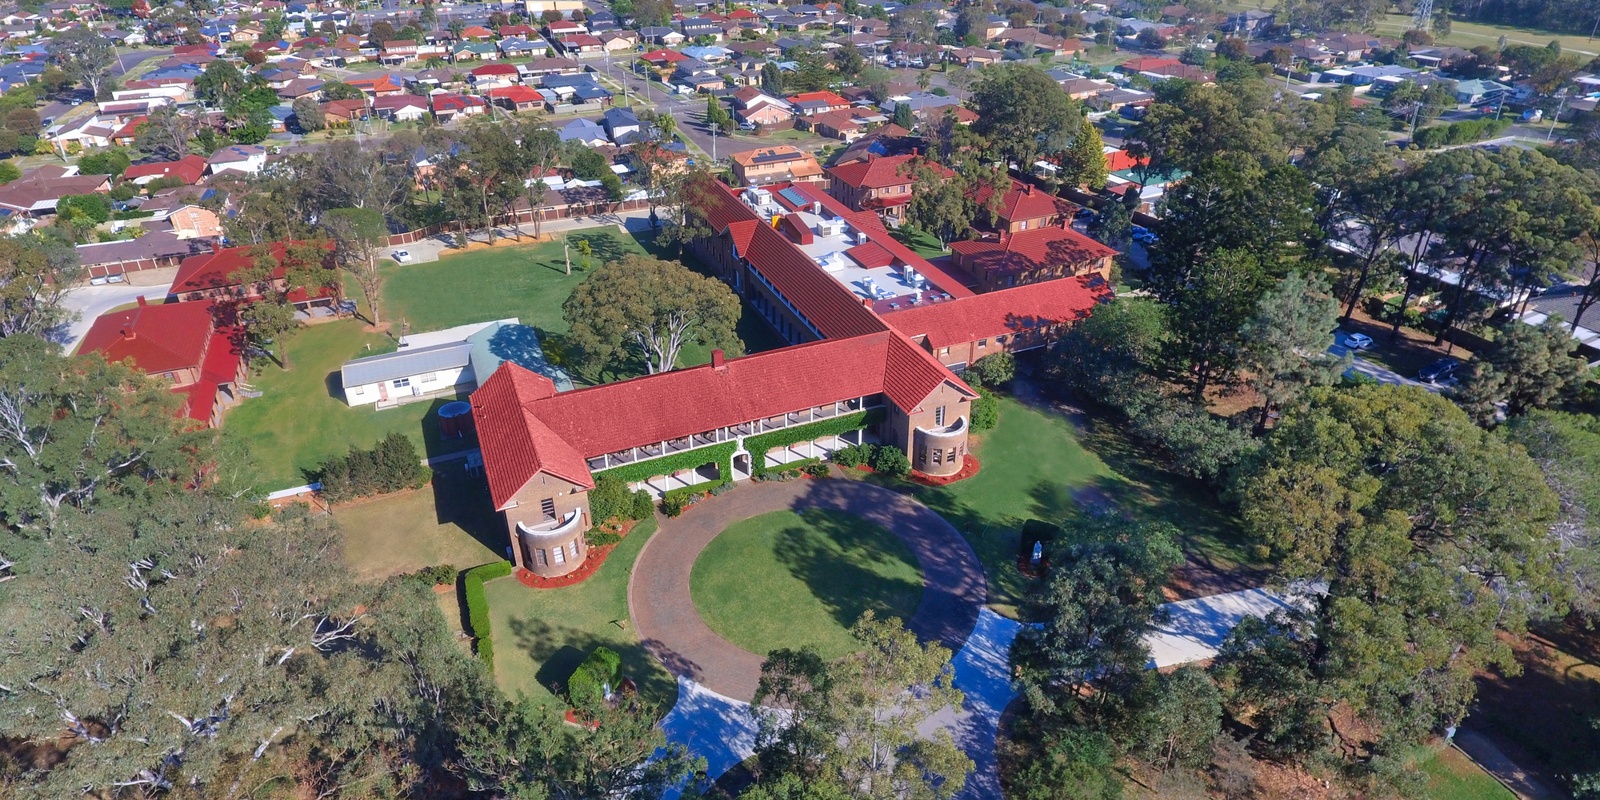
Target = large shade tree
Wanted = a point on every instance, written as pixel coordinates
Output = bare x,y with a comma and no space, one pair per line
1023,113
650,309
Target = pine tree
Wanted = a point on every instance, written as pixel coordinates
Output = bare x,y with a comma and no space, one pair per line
1084,161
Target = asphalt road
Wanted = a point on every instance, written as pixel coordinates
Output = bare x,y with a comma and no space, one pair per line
1374,370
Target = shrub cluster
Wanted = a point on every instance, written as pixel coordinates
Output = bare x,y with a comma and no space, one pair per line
602,670
985,410
610,499
389,466
883,459
991,370
478,607
434,575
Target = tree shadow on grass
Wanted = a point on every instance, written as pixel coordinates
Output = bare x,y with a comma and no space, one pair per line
842,560
605,246
559,649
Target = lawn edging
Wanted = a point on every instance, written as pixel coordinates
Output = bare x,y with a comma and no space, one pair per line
478,607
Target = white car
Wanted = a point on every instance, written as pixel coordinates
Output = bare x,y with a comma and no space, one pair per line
1357,341
401,256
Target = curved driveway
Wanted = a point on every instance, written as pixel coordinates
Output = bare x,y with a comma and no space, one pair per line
954,589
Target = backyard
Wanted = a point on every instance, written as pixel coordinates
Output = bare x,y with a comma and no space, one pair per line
301,418
788,579
451,521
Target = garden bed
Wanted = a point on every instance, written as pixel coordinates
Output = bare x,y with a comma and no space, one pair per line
969,468
597,558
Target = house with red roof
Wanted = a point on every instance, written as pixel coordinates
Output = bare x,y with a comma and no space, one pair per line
1023,207
1002,260
377,85
189,169
517,98
222,275
807,103
581,45
185,343
490,76
448,106
881,184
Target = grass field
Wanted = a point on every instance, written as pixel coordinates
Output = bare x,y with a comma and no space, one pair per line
1453,776
1465,34
925,244
789,579
449,522
301,418
540,636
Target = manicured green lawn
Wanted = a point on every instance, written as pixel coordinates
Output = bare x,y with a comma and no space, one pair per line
788,579
301,418
527,282
925,244
1453,776
450,522
540,636
1035,465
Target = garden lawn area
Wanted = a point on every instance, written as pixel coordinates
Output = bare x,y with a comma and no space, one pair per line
1035,465
542,635
528,282
451,521
788,579
923,243
1453,776
301,418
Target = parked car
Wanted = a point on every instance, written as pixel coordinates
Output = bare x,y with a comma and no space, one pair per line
747,126
401,256
1439,371
1357,341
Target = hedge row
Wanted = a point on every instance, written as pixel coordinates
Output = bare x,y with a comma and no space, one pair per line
721,454
1464,132
760,445
478,607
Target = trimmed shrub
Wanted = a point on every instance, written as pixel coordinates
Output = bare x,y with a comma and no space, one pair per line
434,575
589,682
818,470
985,410
478,607
853,456
673,504
759,446
599,538
609,499
644,506
890,461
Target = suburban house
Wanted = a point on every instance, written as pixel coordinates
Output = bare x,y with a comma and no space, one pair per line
401,107
447,362
780,163
754,106
36,192
880,322
879,184
189,169
218,275
808,103
248,159
1022,208
182,342
1002,260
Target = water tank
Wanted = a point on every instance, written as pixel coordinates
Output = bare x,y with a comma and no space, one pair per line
455,419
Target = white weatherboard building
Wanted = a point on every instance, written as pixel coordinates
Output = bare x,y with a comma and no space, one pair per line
447,362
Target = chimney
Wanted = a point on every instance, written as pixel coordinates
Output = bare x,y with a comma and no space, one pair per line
129,333
716,359
141,301
914,152
1027,188
867,302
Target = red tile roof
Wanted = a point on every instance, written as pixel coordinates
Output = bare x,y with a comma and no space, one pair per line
516,94
215,270
1032,249
495,69
158,338
1024,201
189,169
668,56
829,98
880,172
1007,311
525,427
870,255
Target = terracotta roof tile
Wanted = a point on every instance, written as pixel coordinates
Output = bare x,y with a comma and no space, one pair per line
1033,249
158,338
1007,311
878,173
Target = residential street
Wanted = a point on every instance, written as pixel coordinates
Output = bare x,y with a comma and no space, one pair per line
1376,371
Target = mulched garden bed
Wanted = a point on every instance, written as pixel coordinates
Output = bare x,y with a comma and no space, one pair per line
597,557
969,468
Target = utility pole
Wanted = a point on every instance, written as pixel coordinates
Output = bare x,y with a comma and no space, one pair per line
566,253
1561,106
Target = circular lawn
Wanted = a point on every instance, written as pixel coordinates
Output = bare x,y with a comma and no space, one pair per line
788,579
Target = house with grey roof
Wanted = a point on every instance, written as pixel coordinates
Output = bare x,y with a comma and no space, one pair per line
447,362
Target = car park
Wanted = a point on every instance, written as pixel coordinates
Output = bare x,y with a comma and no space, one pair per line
401,256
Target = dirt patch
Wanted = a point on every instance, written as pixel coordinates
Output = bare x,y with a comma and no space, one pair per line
1541,718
